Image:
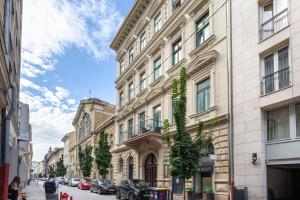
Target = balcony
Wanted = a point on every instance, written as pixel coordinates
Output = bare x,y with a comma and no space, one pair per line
274,25
149,133
275,81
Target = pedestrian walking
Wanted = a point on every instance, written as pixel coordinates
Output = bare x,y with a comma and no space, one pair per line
51,188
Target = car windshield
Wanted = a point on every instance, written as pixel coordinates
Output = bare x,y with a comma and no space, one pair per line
76,179
86,180
104,182
138,183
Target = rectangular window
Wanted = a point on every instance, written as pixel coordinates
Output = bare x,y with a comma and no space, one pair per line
130,91
157,119
278,124
130,55
157,68
298,119
142,122
157,22
276,71
122,67
121,134
203,96
121,99
130,128
176,52
176,4
202,29
142,41
142,81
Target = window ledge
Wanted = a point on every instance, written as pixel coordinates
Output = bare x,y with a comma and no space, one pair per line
157,81
173,68
262,40
206,43
142,92
196,115
130,101
280,141
120,108
263,95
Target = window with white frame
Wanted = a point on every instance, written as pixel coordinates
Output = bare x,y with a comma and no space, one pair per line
202,29
157,22
121,165
274,17
176,4
142,122
176,52
157,118
203,96
278,124
122,66
130,55
121,134
297,110
130,128
157,68
142,81
130,91
276,72
142,41
121,99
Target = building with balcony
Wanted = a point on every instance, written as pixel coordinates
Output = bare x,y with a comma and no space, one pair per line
155,40
90,115
266,97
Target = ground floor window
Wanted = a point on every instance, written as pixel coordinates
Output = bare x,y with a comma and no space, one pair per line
177,185
283,182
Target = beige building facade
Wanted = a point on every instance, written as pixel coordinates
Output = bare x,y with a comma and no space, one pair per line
90,114
154,41
266,97
55,156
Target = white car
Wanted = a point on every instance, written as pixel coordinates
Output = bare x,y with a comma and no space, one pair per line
73,182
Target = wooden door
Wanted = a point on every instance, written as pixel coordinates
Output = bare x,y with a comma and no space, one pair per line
151,170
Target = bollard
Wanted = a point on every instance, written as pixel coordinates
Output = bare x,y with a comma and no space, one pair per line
71,198
60,195
64,196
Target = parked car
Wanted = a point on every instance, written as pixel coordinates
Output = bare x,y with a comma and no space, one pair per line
132,190
102,186
84,184
60,180
73,182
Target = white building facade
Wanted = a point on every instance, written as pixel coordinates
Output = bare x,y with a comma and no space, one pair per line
66,154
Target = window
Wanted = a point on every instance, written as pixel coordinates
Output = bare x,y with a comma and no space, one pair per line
276,71
121,134
203,96
142,81
7,21
157,22
278,124
121,165
130,55
202,29
157,68
274,17
176,52
176,4
122,67
130,91
298,119
157,119
121,99
130,128
142,122
143,41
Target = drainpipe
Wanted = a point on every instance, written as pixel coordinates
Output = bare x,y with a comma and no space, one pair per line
230,96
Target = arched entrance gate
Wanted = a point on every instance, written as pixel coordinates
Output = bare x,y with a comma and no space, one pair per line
151,170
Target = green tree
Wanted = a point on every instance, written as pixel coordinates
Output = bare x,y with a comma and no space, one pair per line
103,155
60,170
85,160
184,151
51,170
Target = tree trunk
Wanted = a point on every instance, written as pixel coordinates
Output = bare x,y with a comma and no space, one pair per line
184,195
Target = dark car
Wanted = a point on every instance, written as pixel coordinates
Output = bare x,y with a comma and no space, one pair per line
102,186
133,190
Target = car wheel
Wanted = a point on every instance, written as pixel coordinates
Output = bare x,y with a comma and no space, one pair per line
91,190
99,191
130,197
118,195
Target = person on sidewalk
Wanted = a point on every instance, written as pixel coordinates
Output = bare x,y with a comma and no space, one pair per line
51,188
14,190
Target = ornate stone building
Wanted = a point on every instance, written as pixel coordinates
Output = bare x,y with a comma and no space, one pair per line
154,41
90,115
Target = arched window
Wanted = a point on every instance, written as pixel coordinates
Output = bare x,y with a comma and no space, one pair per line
208,150
121,165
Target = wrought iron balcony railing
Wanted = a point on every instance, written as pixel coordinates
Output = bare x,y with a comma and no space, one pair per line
275,81
275,24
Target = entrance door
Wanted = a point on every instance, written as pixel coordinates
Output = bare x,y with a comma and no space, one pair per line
151,170
130,168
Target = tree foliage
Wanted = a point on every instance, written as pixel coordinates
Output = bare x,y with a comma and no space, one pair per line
51,170
103,155
60,170
85,160
184,151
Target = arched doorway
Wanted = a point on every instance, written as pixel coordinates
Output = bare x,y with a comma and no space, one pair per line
111,171
151,170
130,168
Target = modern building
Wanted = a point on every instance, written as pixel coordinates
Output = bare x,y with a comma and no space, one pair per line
36,170
155,40
90,114
266,97
10,57
66,156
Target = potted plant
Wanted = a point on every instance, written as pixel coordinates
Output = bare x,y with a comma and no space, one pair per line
209,193
190,193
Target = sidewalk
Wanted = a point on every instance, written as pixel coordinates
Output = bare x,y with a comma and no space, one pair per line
34,192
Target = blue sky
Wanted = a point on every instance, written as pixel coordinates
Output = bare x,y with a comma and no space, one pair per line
65,53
